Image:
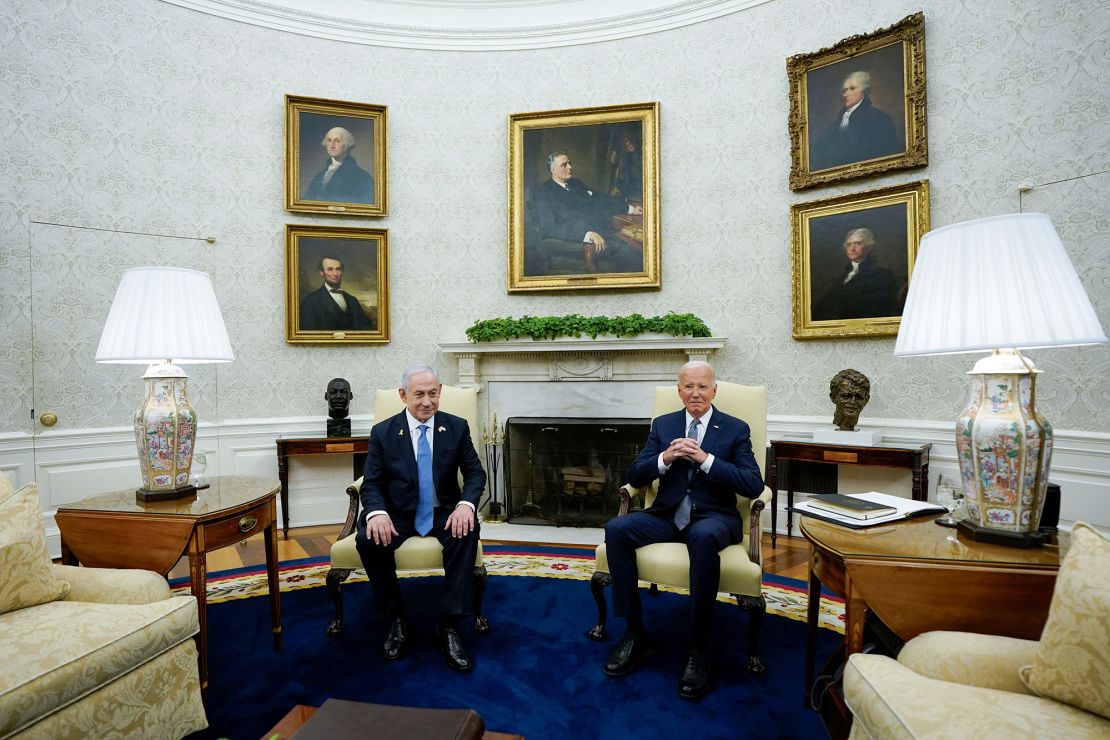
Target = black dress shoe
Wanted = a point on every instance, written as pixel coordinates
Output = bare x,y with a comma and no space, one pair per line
450,644
396,644
629,653
694,683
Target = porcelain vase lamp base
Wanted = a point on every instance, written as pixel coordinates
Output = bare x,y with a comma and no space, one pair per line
165,433
1005,448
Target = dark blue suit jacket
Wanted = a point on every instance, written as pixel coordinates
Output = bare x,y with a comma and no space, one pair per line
390,480
734,471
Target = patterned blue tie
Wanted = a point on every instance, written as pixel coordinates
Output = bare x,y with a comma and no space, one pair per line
426,505
682,513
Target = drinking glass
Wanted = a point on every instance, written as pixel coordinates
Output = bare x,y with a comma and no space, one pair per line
200,463
951,499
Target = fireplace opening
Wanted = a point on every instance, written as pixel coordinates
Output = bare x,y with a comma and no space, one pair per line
564,471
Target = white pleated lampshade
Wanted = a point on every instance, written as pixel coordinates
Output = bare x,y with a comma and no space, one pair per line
991,283
164,313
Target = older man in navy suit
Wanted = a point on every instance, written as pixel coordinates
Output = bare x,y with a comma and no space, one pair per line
703,460
410,487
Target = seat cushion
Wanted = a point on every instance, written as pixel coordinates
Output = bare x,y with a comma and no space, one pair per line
1073,661
417,553
58,652
668,564
889,701
27,577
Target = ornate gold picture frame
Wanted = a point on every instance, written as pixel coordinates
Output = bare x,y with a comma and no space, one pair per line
335,157
858,108
336,285
584,199
853,258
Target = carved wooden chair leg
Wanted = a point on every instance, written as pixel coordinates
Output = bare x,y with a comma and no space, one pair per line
335,577
481,624
597,587
756,607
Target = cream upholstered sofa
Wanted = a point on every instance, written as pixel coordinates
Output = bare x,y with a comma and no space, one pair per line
89,652
961,685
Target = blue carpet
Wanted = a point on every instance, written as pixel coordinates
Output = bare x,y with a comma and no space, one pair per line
535,674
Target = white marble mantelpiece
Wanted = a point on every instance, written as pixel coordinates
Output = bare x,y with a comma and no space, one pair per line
654,358
578,377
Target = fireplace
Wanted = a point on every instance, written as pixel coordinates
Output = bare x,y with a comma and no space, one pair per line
565,471
578,405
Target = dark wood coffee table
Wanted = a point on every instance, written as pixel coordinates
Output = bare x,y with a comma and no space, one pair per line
113,530
296,717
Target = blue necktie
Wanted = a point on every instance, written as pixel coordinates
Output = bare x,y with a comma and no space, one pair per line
682,513
426,505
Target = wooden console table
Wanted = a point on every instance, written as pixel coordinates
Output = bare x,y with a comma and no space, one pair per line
912,458
287,448
113,530
918,577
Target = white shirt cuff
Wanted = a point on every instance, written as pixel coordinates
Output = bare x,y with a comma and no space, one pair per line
663,467
465,503
705,466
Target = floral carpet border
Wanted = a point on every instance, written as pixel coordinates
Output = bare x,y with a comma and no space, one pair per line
785,597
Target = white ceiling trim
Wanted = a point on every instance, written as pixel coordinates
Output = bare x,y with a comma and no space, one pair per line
470,25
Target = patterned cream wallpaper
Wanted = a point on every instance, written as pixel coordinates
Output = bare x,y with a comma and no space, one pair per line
141,116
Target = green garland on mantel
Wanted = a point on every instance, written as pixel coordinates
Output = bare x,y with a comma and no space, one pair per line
574,325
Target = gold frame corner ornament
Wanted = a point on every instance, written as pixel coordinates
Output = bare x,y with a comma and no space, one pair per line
646,115
913,197
375,116
348,243
910,33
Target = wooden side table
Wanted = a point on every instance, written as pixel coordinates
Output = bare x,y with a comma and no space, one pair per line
287,448
912,458
113,530
917,577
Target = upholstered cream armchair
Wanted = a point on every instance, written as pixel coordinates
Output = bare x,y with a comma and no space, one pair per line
960,685
667,563
417,553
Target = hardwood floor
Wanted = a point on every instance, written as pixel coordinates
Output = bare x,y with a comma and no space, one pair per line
789,559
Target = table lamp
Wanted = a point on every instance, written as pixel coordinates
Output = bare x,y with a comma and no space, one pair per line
164,317
1002,284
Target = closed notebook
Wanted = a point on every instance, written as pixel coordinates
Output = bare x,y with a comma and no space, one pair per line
850,506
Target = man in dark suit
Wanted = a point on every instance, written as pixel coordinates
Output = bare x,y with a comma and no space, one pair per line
859,132
566,209
330,308
410,488
341,179
703,460
862,289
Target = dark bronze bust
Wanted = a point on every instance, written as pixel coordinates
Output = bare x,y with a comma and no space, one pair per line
850,390
338,395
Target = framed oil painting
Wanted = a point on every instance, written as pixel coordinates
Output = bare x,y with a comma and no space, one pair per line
858,108
335,157
584,199
852,260
336,285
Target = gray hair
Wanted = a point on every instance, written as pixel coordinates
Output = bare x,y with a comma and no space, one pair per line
348,137
864,234
417,369
864,80
695,364
551,158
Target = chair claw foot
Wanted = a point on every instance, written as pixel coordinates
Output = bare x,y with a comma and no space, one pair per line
756,667
481,626
334,628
